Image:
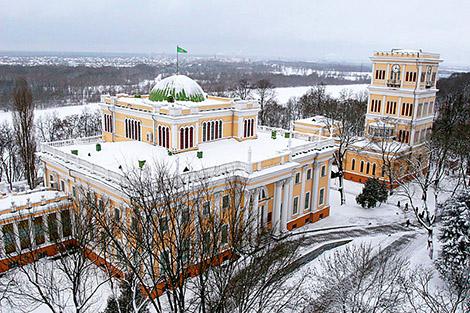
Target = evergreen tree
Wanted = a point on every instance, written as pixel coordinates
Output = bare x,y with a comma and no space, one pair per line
455,237
374,192
126,300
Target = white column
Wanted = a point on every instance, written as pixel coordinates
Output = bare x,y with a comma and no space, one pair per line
255,212
196,135
329,181
246,206
276,216
418,80
382,107
240,127
302,193
285,205
16,233
316,177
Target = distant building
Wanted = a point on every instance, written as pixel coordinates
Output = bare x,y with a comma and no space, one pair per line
318,125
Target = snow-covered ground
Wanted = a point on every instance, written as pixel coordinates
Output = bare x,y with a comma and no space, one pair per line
59,111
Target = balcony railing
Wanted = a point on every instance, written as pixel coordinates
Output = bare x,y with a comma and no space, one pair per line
395,83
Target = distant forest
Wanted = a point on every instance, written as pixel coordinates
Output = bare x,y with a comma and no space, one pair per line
57,85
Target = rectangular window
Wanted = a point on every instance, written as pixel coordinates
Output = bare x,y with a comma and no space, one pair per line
163,222
224,234
23,231
51,180
323,171
206,242
225,201
62,185
309,174
38,231
100,205
185,250
296,206
52,228
66,223
185,215
307,200
321,199
164,262
9,240
117,215
74,191
297,178
206,208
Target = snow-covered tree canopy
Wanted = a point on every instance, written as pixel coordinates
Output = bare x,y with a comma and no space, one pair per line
455,237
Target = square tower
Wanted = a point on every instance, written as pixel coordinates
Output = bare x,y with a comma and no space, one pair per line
402,95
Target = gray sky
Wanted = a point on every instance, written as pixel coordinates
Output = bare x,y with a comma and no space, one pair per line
343,30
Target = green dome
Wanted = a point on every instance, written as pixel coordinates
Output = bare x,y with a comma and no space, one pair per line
177,87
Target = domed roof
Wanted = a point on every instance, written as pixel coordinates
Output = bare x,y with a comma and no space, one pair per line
178,87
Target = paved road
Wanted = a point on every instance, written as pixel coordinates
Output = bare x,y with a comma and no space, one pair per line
312,238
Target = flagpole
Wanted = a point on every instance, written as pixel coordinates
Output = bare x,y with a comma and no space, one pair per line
177,65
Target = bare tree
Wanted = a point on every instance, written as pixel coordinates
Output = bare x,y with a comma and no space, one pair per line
356,279
242,89
265,92
344,122
23,122
71,280
9,155
423,296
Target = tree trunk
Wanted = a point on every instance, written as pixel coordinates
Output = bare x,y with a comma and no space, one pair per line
341,188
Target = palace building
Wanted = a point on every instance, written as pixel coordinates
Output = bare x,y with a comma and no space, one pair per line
287,173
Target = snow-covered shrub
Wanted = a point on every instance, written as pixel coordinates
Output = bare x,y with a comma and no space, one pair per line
374,192
454,259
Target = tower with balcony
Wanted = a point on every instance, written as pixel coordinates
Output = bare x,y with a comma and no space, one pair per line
400,111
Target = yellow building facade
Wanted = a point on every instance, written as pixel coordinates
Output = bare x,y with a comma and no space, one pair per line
400,113
178,125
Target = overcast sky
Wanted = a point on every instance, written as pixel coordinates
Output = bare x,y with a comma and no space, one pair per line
343,30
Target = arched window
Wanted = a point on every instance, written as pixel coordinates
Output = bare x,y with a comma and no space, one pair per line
353,164
191,135
159,135
245,128
252,127
204,131
212,130
186,138
373,169
181,138
220,129
208,131
367,168
216,130
362,166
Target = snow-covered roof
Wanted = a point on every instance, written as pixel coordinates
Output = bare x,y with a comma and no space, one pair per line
118,157
317,120
177,87
27,199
